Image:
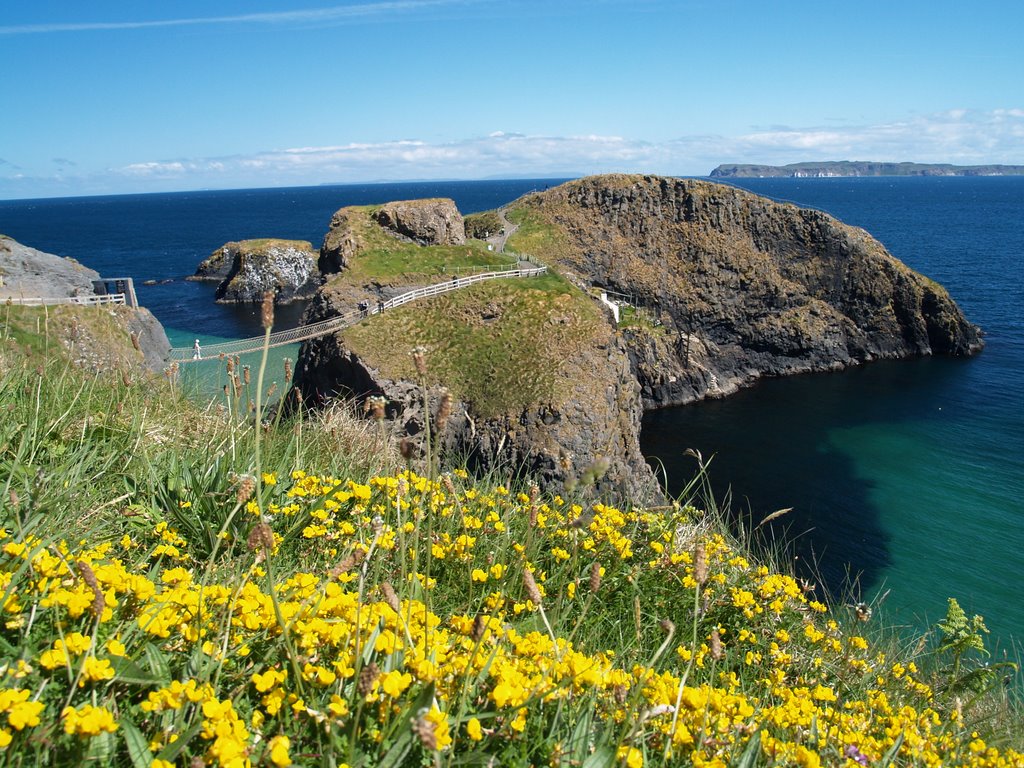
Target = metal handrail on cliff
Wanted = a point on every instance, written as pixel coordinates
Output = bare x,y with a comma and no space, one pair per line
331,325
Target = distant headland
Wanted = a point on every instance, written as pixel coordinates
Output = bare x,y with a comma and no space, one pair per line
861,168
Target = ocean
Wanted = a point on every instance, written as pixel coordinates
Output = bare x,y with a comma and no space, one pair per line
905,478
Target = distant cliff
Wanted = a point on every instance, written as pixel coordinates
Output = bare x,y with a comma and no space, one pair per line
110,338
860,168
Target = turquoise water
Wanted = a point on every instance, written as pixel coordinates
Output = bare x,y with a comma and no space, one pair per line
205,380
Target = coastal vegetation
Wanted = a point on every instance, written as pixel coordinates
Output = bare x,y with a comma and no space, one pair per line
189,584
482,225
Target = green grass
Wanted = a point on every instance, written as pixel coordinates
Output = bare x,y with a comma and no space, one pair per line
535,235
497,345
65,329
261,243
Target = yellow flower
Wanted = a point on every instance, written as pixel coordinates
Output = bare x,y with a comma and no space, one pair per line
267,680
53,658
116,648
631,756
473,729
518,723
88,720
76,643
440,722
395,682
338,706
822,693
25,714
279,751
95,670
269,478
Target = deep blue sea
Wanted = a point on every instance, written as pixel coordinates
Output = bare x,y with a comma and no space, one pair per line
906,478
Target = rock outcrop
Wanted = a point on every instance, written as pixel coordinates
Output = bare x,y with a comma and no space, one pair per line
28,273
577,423
740,287
340,243
427,222
248,269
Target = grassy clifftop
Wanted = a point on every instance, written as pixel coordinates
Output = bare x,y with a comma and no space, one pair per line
503,345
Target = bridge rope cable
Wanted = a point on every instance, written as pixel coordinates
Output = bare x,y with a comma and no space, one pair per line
340,322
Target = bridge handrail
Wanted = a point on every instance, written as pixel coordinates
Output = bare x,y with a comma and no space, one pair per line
49,301
337,323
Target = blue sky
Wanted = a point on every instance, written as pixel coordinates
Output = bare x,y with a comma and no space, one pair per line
115,96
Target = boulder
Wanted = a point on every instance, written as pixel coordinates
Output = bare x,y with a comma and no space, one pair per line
427,222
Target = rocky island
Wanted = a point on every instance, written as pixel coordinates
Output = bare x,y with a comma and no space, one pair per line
536,376
831,168
248,269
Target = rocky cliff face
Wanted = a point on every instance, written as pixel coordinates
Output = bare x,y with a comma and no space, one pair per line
741,287
108,338
248,269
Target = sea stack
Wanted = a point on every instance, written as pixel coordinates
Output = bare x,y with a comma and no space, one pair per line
246,270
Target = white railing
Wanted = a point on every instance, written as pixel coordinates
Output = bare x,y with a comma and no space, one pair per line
340,322
49,301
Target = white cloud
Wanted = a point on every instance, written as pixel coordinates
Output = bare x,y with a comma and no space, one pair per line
957,136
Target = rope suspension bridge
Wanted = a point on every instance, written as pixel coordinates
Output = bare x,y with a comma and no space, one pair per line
331,325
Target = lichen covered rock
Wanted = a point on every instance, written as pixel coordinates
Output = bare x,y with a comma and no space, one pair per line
29,273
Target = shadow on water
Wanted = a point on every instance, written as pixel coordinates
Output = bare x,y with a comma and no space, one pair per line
771,448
